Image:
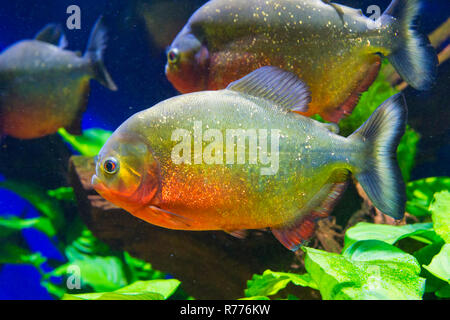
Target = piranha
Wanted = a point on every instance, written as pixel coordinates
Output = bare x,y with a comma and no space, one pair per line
44,87
239,158
335,49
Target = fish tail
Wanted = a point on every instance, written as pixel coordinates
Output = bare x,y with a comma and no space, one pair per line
94,53
377,169
413,56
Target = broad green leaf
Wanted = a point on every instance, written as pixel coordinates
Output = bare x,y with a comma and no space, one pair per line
37,197
426,254
113,296
440,265
444,292
390,234
165,287
440,210
255,298
420,194
14,223
368,269
103,274
63,193
140,290
270,282
89,143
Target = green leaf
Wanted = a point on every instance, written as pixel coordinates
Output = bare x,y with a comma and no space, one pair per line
420,194
426,254
38,198
15,254
113,296
444,292
165,287
100,273
390,234
141,270
17,224
53,289
140,290
86,245
270,282
63,193
440,265
440,209
255,298
368,269
89,143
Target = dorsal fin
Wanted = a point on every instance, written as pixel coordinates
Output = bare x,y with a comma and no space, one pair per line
53,34
280,87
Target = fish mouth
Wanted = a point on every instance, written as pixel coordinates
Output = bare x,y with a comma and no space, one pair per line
97,184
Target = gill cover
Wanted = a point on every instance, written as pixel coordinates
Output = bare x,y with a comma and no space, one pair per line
187,63
127,173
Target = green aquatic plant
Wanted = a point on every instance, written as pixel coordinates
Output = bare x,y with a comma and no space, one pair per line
372,265
104,270
87,144
420,194
139,290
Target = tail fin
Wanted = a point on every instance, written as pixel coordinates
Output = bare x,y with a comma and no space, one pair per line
94,52
379,173
413,56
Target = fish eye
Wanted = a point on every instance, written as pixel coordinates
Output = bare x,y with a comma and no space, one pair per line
173,55
111,165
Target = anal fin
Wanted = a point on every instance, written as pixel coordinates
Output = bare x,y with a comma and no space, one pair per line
239,234
346,108
175,219
295,235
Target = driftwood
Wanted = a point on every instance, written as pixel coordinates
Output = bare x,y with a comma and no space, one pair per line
210,264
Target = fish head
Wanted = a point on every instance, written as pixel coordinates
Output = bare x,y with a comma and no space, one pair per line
187,63
127,174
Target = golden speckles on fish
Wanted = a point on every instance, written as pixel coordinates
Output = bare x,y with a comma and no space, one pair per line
217,47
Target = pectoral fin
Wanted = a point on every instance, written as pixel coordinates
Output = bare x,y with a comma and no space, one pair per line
295,234
239,234
176,219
